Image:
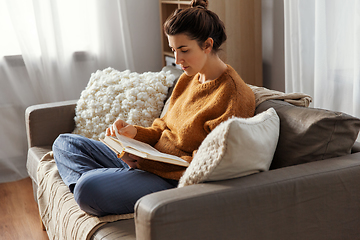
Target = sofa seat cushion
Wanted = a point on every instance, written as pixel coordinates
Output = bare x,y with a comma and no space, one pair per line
310,134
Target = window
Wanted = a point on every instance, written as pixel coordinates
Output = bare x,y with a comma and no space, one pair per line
62,25
8,43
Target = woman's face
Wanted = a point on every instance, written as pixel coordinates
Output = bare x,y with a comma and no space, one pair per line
188,54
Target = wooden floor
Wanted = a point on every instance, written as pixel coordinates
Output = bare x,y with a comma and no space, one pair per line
19,216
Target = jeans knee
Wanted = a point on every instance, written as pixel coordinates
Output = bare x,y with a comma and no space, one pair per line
61,141
68,142
85,194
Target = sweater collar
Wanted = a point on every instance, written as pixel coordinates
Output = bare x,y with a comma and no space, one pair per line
211,83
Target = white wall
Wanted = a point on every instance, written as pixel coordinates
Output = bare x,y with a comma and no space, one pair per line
273,44
144,25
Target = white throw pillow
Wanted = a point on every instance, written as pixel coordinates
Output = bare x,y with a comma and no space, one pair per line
110,94
235,148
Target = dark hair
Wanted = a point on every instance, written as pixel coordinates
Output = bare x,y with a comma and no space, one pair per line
198,23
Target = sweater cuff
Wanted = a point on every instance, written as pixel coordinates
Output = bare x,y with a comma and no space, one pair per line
146,135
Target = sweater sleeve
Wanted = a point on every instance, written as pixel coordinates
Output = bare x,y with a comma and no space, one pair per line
151,134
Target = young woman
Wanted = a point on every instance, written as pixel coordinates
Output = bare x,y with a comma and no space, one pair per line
208,93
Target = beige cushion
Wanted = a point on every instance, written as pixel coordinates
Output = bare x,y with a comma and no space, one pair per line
235,148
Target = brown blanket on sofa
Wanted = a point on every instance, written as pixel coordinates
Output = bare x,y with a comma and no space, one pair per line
59,212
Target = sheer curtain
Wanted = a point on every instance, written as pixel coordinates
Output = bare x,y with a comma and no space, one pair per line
322,52
61,43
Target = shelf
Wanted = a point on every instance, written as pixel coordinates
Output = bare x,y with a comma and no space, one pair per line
167,7
169,2
176,2
170,54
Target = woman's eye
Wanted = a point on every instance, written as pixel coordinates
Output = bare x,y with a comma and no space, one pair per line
183,51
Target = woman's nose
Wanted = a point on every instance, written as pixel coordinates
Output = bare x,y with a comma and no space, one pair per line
177,58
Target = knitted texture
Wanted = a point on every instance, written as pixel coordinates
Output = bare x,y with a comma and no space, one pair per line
208,156
235,148
111,94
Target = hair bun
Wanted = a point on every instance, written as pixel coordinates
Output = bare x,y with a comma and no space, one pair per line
199,3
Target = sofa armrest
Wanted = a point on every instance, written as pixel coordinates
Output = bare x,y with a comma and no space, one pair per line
44,122
356,147
317,200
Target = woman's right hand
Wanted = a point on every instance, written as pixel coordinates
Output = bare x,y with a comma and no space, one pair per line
123,128
131,160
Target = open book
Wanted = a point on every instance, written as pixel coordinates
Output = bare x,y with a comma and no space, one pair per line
121,145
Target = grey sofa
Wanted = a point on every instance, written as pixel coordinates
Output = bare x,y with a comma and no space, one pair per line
317,196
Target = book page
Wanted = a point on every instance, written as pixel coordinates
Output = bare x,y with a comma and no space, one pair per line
130,144
143,150
140,146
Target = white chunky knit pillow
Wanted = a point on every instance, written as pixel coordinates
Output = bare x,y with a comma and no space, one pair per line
235,148
110,94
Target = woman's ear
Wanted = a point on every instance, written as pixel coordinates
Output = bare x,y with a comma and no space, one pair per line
208,45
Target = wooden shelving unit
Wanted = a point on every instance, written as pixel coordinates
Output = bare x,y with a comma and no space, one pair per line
167,7
242,19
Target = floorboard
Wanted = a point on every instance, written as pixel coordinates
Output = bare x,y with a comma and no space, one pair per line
19,216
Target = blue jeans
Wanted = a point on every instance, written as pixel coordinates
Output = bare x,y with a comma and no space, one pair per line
102,183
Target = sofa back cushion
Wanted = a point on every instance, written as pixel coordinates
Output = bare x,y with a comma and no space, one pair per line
310,134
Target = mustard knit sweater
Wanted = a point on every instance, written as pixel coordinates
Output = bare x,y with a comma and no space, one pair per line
195,110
